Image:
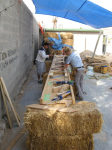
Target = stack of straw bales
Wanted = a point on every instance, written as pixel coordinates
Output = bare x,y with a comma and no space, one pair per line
67,38
64,128
52,35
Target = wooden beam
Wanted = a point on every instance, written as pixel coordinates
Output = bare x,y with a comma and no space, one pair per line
10,102
5,104
71,88
97,43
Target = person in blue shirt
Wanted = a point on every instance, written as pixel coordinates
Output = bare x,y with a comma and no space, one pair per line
75,60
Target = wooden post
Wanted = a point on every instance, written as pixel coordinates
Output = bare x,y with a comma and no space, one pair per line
97,43
9,100
85,43
72,93
6,107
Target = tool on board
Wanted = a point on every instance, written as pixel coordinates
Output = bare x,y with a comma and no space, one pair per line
61,96
65,82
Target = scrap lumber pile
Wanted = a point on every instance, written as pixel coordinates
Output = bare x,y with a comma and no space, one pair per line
61,124
85,54
100,64
95,60
67,38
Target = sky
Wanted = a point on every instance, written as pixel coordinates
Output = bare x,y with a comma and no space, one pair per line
47,21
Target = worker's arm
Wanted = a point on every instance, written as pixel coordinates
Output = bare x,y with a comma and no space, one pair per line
67,62
43,54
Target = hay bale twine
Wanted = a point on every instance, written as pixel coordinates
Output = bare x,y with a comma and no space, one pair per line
78,119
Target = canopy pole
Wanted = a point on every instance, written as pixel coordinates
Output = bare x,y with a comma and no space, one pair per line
101,32
85,43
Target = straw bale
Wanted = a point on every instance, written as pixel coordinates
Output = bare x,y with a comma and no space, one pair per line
78,142
68,41
78,119
51,34
46,40
66,35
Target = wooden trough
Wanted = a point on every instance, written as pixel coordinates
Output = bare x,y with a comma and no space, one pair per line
57,73
62,124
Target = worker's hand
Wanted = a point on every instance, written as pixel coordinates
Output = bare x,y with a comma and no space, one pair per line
50,55
66,65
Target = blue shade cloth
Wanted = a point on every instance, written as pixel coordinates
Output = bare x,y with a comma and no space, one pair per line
82,11
57,42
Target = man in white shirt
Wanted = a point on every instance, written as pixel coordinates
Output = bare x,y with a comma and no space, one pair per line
40,61
75,60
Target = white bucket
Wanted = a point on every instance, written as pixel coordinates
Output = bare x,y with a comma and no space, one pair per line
90,71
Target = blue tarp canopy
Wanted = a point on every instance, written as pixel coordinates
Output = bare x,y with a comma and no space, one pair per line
82,11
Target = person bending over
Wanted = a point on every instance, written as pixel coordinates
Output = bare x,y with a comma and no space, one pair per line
75,60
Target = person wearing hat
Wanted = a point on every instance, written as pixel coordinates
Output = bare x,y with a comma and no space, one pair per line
40,61
75,60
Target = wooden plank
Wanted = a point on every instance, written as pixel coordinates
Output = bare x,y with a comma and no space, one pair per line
45,107
9,100
97,44
45,87
56,107
71,88
16,139
5,104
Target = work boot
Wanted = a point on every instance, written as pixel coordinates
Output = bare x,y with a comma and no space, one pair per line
40,81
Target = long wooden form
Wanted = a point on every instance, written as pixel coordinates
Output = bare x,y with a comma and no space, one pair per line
51,90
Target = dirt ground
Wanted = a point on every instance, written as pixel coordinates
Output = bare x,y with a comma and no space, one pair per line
98,91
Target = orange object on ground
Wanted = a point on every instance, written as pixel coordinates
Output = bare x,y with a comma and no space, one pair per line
104,69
